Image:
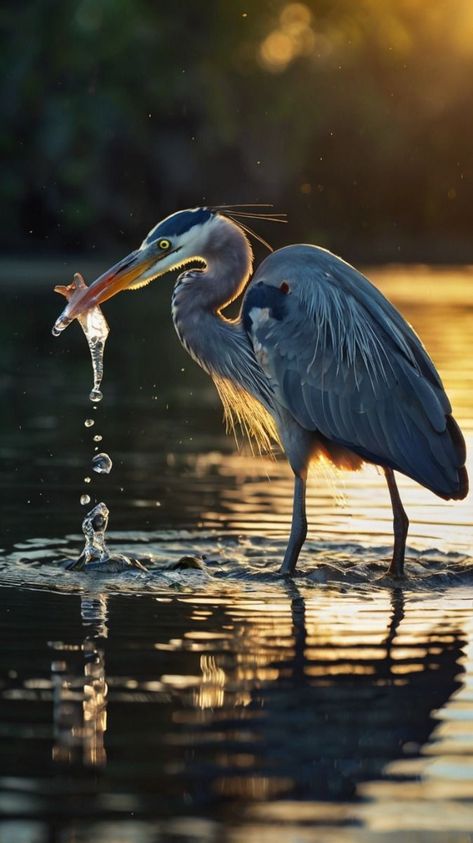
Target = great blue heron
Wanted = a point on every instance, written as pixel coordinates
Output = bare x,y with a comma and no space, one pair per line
318,358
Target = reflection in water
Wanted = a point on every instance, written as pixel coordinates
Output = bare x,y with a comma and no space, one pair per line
80,691
309,697
304,708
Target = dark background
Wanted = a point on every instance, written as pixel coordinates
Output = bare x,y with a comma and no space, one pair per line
354,117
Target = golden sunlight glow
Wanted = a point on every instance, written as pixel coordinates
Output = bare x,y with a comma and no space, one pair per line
240,408
404,28
292,38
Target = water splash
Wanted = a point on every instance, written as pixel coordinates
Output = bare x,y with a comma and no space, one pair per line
94,526
102,463
96,555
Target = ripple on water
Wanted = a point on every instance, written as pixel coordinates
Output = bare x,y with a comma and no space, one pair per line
293,715
180,558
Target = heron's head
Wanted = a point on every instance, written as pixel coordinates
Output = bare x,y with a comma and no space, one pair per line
173,242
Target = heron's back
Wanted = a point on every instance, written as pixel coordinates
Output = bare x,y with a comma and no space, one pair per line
347,365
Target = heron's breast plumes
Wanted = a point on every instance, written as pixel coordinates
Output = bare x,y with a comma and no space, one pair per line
242,410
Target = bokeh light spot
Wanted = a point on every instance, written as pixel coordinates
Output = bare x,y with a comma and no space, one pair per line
277,50
294,37
295,16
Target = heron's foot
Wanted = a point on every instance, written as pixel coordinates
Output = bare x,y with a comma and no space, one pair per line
393,576
296,540
396,569
288,566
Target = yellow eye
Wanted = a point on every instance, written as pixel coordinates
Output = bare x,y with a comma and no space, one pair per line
164,244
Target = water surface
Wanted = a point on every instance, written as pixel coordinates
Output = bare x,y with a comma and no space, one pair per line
216,702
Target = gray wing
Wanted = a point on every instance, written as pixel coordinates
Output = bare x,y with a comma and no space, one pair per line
345,363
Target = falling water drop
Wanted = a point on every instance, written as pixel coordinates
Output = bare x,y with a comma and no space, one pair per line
89,423
98,437
84,499
60,324
86,479
95,395
102,463
96,331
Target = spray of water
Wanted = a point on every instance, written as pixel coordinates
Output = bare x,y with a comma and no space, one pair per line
96,556
96,330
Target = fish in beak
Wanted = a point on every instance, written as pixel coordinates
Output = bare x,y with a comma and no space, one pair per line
129,273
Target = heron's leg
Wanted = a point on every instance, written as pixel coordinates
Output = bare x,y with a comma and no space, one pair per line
298,527
400,525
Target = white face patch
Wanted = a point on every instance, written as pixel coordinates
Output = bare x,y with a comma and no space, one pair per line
190,243
184,248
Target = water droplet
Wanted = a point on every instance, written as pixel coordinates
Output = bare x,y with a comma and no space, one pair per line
84,499
96,395
86,479
89,423
98,437
102,463
60,324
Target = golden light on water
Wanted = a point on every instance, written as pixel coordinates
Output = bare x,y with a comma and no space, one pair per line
270,689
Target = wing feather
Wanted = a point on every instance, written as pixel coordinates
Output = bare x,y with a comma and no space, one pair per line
345,363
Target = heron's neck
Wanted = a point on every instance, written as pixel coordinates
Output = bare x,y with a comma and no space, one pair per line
219,345
200,295
228,264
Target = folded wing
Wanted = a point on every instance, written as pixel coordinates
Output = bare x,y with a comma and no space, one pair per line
345,363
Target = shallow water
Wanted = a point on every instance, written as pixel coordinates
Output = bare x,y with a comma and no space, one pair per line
204,699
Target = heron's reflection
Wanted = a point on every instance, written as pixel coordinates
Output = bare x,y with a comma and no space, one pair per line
80,691
318,694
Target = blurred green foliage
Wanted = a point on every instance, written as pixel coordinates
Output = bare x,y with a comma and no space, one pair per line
352,115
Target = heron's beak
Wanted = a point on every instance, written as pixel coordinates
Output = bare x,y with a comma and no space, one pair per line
122,275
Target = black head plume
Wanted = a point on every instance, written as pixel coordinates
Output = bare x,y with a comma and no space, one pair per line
250,211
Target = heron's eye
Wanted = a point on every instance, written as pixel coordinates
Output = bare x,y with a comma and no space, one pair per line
164,244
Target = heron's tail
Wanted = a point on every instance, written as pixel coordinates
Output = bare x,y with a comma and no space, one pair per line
458,442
